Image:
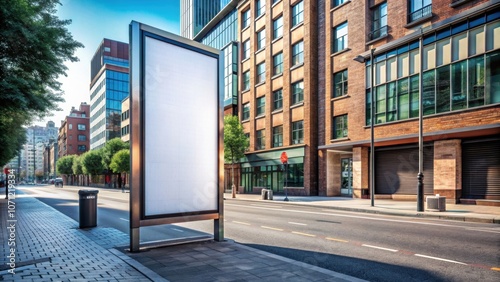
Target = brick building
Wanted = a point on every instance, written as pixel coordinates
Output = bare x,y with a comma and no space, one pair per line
74,132
302,93
453,47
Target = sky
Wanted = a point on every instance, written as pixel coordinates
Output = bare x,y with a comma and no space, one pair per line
94,20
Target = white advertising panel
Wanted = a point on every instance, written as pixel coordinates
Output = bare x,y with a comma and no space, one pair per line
180,129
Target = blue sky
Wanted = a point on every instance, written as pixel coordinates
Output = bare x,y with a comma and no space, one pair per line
94,20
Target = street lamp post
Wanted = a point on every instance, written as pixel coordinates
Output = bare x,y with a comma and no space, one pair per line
420,176
361,59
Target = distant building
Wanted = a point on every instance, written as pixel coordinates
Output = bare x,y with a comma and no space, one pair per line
126,120
31,156
74,134
195,14
50,156
108,87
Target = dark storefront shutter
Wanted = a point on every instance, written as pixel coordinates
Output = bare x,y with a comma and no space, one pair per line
396,171
481,170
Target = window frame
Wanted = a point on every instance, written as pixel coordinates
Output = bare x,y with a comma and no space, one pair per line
260,73
278,66
297,15
278,101
297,132
298,53
260,139
336,39
278,30
278,136
340,124
297,97
343,81
260,106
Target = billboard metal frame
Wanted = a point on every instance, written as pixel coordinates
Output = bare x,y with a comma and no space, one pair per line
138,218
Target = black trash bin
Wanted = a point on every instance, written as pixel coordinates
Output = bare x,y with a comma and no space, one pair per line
88,208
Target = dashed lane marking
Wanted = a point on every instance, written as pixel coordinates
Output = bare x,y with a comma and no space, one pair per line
272,228
296,223
336,240
441,259
303,234
379,248
124,219
239,222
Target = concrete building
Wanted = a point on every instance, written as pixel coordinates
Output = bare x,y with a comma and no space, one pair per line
74,132
108,87
444,55
125,120
50,157
37,137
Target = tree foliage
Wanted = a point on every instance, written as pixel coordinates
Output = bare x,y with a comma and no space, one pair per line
235,141
77,165
92,162
110,149
65,165
34,44
121,161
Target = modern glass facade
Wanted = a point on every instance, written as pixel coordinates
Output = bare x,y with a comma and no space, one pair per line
195,14
461,70
272,177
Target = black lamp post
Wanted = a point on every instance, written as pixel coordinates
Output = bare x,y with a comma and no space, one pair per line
361,59
420,176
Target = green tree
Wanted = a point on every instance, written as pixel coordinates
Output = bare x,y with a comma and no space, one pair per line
110,149
235,144
65,165
120,163
77,165
92,162
34,44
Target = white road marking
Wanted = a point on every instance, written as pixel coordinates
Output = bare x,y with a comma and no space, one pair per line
177,229
330,213
337,240
239,222
124,219
303,234
441,259
296,223
272,228
379,248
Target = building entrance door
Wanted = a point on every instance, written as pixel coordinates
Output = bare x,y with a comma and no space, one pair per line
346,177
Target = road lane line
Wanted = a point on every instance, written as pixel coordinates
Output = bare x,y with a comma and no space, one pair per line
272,228
379,248
177,229
124,219
441,259
239,222
337,240
303,234
296,223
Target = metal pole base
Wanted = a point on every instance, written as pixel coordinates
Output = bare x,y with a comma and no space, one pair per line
420,192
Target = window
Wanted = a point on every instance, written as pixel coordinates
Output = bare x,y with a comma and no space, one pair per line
340,37
277,99
261,73
429,92
260,143
246,50
298,132
260,6
339,127
298,53
340,84
336,3
261,39
298,13
297,92
380,104
82,137
278,136
278,27
84,115
81,126
245,19
82,148
379,27
278,64
70,126
246,111
261,106
246,80
419,9
476,82
443,89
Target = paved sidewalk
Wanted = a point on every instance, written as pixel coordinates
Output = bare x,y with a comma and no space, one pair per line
50,247
461,212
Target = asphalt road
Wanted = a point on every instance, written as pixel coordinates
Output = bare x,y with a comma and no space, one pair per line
367,246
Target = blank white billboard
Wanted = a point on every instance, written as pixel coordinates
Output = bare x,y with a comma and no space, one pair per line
181,113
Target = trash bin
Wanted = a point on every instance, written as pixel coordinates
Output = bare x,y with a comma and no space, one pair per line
88,208
269,194
263,194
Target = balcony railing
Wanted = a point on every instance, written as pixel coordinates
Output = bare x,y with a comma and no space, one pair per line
421,13
379,32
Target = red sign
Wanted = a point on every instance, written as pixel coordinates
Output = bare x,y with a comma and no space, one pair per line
284,158
6,170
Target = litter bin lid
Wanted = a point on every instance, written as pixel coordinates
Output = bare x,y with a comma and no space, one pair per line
87,192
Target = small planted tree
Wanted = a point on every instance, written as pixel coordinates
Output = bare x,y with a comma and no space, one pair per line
77,167
110,149
235,144
120,163
65,165
92,163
